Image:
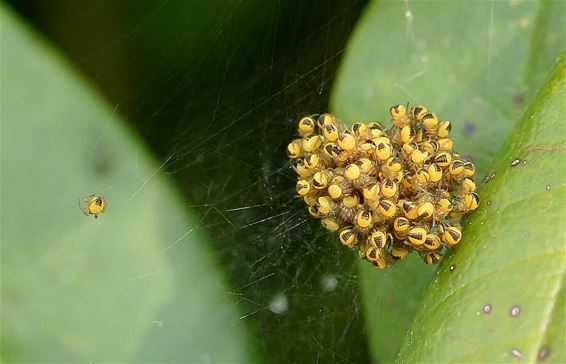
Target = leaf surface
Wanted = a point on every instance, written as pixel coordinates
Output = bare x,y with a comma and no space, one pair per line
476,64
503,300
126,287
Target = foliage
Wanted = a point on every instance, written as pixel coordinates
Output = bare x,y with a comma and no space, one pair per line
117,288
216,97
478,73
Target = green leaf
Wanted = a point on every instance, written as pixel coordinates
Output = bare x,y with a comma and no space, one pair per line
126,287
474,63
503,300
390,299
547,41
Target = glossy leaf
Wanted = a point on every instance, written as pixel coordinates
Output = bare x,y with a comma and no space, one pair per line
474,63
126,287
503,300
473,72
390,299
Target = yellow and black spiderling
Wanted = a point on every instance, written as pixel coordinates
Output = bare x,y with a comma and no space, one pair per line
386,192
93,205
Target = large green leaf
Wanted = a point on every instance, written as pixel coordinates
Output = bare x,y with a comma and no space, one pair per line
475,63
503,299
221,87
127,286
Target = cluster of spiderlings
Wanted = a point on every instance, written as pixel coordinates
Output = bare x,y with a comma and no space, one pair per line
386,192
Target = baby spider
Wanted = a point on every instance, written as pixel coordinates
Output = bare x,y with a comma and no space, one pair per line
93,205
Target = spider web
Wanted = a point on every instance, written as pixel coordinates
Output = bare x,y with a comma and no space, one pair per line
218,104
